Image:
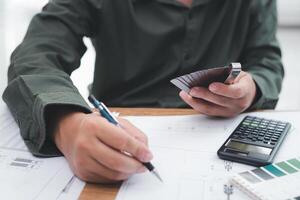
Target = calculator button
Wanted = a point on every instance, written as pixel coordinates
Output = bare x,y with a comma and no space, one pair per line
238,132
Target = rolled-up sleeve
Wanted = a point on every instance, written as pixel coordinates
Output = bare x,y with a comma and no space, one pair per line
39,74
262,55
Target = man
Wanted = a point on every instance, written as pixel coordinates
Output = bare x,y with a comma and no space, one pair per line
140,46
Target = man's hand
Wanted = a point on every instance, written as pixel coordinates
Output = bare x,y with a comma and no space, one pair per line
95,148
221,99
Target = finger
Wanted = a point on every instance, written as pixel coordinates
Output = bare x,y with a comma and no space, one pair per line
95,111
205,107
133,131
130,128
236,90
205,94
119,139
114,159
93,171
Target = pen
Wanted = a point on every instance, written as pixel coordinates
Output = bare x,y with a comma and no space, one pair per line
110,117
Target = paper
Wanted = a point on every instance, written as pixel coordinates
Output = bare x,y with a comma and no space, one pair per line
27,177
186,174
185,149
72,189
185,132
10,132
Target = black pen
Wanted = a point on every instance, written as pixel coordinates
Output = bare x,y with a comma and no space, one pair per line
110,117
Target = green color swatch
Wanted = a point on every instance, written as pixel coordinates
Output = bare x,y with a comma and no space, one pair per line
286,167
273,170
295,162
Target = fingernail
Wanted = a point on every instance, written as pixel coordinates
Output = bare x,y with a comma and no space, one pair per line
212,87
182,93
192,92
147,157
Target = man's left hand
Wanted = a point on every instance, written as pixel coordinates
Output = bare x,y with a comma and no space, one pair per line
223,100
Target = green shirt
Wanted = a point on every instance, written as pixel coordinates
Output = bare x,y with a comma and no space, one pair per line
140,45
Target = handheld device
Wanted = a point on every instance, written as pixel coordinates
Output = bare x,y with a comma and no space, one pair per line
255,141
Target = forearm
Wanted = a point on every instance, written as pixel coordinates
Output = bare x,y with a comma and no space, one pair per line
268,74
38,77
261,56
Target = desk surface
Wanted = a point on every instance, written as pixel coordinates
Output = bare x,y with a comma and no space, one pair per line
108,192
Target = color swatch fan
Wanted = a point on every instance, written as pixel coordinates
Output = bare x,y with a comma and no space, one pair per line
275,182
203,78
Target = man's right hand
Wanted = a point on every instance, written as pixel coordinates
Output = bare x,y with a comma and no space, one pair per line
95,148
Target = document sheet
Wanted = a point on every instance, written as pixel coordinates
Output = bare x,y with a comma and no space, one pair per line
27,177
185,149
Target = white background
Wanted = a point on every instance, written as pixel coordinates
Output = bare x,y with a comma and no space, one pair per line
16,14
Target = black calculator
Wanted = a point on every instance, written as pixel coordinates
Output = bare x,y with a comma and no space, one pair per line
255,141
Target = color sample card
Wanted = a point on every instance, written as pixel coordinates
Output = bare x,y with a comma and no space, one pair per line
262,174
275,181
274,170
203,78
295,163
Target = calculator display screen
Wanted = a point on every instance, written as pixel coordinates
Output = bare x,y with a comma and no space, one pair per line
247,148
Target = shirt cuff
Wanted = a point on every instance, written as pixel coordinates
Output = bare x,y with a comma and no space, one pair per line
42,144
262,101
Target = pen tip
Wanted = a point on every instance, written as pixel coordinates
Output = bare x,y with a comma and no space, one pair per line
91,98
155,173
